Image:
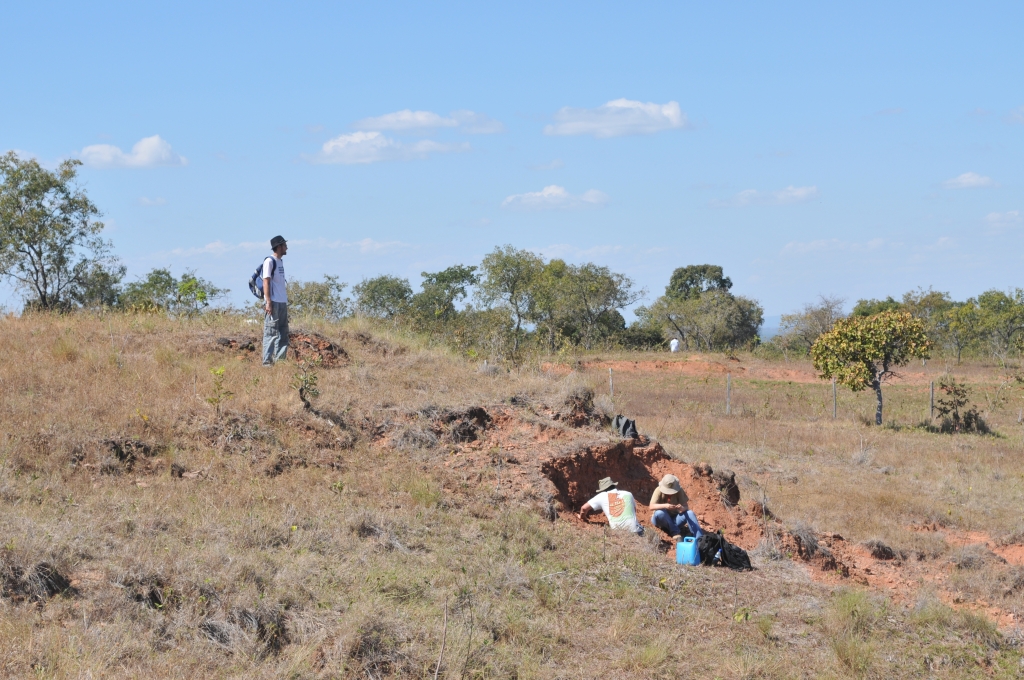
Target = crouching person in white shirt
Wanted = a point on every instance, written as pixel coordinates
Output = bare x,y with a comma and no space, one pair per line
618,506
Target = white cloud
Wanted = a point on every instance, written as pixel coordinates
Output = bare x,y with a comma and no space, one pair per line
368,245
373,147
405,120
831,245
1004,219
617,118
567,251
152,201
787,196
968,180
364,246
554,197
553,165
147,152
221,248
477,123
1015,117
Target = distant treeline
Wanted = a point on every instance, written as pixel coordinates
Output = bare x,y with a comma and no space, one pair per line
513,302
991,324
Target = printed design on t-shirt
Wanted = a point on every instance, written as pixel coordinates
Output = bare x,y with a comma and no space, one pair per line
615,504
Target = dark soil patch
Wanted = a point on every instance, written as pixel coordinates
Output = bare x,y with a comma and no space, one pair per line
118,455
35,584
463,425
374,345
377,650
306,346
235,432
284,462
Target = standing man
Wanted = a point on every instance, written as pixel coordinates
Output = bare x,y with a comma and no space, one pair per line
618,506
275,296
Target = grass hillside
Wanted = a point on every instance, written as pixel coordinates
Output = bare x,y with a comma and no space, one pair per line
161,518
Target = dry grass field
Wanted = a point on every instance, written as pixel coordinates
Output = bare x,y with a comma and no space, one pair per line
157,521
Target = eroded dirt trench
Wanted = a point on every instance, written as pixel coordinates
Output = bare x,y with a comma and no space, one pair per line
553,459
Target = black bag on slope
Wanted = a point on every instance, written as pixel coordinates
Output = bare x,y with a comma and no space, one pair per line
625,427
732,556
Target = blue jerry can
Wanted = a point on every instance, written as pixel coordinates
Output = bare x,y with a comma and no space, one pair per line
686,552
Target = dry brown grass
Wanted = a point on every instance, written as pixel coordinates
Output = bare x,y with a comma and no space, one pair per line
264,541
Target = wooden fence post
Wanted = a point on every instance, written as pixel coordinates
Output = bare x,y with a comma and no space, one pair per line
931,401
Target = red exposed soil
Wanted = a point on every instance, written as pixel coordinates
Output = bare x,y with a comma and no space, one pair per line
539,457
637,465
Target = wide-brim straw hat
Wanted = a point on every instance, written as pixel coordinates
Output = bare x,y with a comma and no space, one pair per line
669,485
606,484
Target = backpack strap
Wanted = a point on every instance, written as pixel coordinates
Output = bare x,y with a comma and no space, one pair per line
273,265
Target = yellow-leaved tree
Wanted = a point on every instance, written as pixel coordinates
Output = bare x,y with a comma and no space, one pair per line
861,352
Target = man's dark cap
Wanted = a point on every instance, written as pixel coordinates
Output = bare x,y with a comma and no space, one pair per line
277,241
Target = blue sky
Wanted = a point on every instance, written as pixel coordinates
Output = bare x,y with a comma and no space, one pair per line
858,150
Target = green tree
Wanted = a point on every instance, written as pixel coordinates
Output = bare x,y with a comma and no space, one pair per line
100,287
318,299
872,307
49,237
194,294
695,280
862,351
550,301
441,290
962,324
799,331
155,292
383,297
1002,319
931,307
593,293
161,291
715,320
699,308
507,278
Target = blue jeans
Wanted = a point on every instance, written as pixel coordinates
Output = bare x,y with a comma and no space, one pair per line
673,526
275,333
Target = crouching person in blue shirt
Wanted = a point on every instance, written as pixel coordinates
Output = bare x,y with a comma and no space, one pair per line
671,513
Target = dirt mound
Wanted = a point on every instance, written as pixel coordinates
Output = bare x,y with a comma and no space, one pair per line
307,346
310,346
578,408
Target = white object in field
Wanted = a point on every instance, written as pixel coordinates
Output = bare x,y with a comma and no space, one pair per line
673,344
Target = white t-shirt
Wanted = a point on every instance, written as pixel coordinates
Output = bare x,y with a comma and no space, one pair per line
278,285
619,507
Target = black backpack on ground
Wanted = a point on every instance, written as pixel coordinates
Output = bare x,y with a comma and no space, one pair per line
625,427
256,280
732,556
